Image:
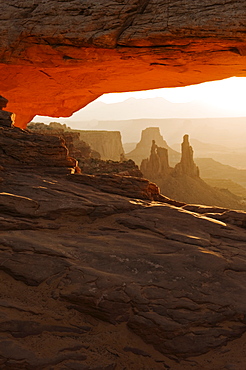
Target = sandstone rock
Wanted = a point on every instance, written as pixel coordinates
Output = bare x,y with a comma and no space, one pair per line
88,159
86,260
76,147
59,56
134,187
107,143
157,164
117,265
94,166
187,165
6,118
143,148
183,182
20,148
3,102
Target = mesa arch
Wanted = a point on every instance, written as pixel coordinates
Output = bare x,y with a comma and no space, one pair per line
57,56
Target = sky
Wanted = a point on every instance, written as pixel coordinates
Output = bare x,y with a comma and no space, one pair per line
226,97
228,94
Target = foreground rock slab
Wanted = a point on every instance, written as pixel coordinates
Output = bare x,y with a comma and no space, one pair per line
103,272
81,268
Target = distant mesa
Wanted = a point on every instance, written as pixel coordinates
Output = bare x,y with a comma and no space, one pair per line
142,149
107,143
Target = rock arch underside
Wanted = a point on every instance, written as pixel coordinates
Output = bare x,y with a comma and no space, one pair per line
57,56
102,272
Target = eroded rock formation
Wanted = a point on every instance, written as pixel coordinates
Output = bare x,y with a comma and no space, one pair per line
143,148
86,260
183,182
106,145
20,148
157,164
187,165
89,160
94,166
57,56
77,148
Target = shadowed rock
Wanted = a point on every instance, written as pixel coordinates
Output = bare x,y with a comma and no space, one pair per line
87,260
6,118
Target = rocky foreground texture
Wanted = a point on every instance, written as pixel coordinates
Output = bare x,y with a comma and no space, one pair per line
96,275
57,56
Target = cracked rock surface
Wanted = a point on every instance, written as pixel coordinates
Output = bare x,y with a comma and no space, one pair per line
93,279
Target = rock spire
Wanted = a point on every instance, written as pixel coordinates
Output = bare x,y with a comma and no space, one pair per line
157,164
187,165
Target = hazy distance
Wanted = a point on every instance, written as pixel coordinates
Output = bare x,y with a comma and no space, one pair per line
192,109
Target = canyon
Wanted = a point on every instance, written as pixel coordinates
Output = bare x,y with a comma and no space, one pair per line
88,259
103,272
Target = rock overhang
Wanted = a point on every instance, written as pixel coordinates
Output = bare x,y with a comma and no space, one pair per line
57,56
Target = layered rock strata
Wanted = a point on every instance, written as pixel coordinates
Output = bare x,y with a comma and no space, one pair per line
77,148
94,166
107,143
24,149
86,260
57,56
103,266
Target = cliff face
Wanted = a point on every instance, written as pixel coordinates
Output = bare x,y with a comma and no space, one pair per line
57,56
143,148
20,148
107,143
25,149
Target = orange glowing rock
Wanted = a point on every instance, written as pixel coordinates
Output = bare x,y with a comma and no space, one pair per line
56,57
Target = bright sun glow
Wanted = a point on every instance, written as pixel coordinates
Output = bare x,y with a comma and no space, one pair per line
228,94
225,98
